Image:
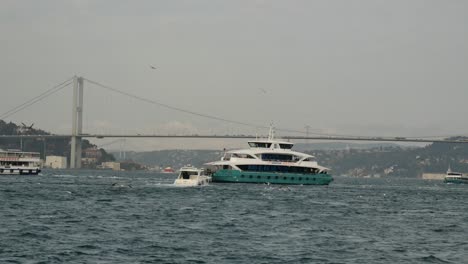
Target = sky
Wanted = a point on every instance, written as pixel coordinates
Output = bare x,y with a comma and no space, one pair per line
363,67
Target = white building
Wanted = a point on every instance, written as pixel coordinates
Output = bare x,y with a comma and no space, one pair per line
433,176
56,162
111,165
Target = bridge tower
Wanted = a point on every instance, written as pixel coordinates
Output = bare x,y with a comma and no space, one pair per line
77,123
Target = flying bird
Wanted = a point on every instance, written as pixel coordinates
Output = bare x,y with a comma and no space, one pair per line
152,67
263,90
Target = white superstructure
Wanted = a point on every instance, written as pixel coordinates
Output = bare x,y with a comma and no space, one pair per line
19,162
269,155
455,177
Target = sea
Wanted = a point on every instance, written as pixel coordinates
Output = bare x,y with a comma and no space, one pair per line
140,217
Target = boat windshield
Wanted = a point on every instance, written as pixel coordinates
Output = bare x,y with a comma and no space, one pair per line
186,174
242,156
259,144
286,146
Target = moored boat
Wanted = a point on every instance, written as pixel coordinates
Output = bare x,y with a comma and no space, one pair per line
269,161
191,176
19,162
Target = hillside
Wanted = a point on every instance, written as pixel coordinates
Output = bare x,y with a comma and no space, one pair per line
174,158
396,161
59,147
375,159
388,160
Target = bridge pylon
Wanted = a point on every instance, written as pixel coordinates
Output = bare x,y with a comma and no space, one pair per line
77,123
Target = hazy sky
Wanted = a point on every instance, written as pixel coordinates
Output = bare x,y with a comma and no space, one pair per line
347,67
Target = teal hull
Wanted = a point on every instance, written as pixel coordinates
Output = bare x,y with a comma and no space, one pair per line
457,181
271,177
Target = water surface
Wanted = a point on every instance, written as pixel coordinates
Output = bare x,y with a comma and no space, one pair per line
128,217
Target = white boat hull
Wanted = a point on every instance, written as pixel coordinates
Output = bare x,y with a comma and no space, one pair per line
196,181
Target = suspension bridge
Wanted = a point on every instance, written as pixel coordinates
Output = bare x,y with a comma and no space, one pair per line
77,134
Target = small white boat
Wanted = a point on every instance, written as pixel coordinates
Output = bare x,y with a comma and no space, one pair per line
191,176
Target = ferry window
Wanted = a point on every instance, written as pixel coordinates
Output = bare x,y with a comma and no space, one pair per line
277,168
259,145
242,156
250,167
277,157
286,146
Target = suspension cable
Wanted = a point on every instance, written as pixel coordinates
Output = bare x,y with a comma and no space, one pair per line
172,107
205,115
36,99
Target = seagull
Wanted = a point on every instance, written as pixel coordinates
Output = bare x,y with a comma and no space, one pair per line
152,67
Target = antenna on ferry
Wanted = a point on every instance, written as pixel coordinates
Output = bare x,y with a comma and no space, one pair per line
271,134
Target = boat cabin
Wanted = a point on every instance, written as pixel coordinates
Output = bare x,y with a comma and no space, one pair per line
191,176
187,173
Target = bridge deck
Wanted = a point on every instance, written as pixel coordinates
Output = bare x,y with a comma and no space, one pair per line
380,139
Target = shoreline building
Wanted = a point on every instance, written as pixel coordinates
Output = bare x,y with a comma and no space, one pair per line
56,162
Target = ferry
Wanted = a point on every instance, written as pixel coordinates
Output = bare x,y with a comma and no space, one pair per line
19,162
269,161
191,176
455,177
